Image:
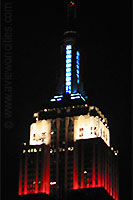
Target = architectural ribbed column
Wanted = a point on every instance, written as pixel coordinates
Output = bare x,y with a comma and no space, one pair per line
43,171
20,177
25,177
57,154
47,171
99,166
75,168
82,165
66,153
36,184
93,167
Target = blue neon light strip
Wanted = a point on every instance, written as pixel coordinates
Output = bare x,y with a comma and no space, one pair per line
68,80
73,96
77,66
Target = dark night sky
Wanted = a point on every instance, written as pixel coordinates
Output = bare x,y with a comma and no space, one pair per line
104,28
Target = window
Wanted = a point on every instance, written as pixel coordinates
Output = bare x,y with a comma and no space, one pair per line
68,68
77,66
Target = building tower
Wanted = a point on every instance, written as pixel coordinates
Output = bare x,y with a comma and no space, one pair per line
69,153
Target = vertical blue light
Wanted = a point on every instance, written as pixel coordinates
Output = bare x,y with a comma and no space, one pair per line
77,66
68,68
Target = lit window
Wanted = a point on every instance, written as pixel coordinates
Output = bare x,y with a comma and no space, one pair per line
69,52
68,61
66,87
77,71
59,99
69,47
68,69
85,172
68,56
51,151
68,65
52,183
68,78
77,62
68,74
78,54
77,66
68,83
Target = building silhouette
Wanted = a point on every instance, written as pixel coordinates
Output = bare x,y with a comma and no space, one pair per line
69,153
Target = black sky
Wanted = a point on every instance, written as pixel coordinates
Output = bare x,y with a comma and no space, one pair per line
104,28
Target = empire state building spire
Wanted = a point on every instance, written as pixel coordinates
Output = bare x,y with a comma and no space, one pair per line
69,83
71,15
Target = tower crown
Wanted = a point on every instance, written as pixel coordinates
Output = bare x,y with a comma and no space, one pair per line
69,84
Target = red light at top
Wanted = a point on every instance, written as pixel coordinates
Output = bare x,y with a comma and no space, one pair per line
72,3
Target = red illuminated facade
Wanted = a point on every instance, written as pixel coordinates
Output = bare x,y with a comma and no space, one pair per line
69,150
34,174
97,167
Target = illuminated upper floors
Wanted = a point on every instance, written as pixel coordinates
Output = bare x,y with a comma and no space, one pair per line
59,169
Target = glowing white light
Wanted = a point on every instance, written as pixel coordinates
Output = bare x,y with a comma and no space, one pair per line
68,78
86,127
68,74
59,99
68,65
52,183
68,61
37,130
52,100
58,96
51,151
68,56
69,51
68,69
69,47
68,83
75,94
85,172
77,97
